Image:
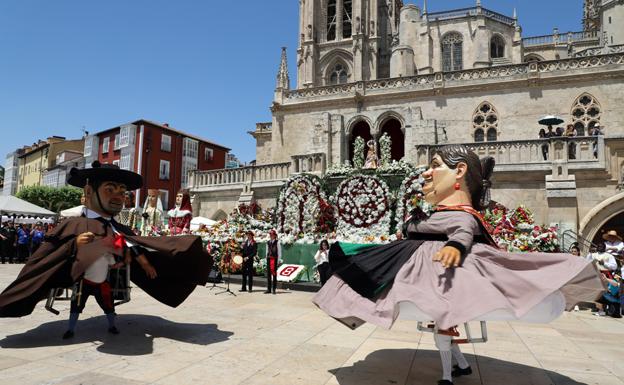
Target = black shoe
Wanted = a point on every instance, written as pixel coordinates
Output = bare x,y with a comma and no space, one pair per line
445,382
267,292
250,290
457,371
242,290
68,334
113,330
273,291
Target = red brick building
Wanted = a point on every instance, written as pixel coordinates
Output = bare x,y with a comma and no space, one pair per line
161,154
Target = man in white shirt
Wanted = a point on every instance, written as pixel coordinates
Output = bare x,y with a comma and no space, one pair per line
602,259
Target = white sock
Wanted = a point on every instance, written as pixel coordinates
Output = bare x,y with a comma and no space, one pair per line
459,356
443,343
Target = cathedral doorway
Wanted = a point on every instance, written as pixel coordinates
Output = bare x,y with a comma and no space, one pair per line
362,129
605,216
393,128
615,223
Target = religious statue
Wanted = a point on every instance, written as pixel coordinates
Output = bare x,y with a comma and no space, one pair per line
372,161
152,214
180,216
129,215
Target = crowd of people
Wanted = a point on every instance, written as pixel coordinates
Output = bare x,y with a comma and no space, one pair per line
19,241
569,132
608,256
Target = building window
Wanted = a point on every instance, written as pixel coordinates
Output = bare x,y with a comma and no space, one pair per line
164,198
124,137
208,154
347,14
105,145
586,113
338,75
452,49
163,173
478,135
117,142
491,134
191,148
497,47
485,123
165,143
124,161
331,20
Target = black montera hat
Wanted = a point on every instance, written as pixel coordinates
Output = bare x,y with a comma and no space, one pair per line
104,173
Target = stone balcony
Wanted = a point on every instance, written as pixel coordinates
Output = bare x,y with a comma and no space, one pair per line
266,175
589,37
576,153
511,156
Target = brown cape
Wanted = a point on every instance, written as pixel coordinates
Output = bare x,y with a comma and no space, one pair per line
180,262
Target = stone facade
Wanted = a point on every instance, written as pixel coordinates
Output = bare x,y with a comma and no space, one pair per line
462,76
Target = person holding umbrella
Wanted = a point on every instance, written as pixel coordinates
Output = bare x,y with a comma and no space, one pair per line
549,121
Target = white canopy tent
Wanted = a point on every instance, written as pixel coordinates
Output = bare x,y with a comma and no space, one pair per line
72,212
12,206
197,221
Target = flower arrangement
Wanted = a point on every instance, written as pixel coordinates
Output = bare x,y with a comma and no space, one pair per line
515,230
385,146
299,205
358,152
340,169
396,167
364,207
410,196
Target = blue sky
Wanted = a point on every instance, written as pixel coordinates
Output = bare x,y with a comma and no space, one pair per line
205,67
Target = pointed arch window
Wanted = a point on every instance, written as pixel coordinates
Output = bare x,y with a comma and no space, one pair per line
331,20
485,123
452,52
347,16
497,47
586,113
339,74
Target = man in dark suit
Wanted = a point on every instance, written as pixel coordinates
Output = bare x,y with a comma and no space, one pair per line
249,250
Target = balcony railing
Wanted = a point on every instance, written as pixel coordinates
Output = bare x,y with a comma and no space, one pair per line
565,38
583,152
473,11
239,176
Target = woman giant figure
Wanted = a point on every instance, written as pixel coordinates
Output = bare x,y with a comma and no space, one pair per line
449,269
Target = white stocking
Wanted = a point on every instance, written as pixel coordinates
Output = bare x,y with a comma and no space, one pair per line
443,343
459,356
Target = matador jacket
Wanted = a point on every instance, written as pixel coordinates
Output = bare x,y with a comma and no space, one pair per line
180,262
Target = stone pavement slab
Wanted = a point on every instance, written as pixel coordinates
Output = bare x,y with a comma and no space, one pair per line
259,339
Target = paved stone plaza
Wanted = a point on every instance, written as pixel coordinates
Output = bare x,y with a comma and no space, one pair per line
283,339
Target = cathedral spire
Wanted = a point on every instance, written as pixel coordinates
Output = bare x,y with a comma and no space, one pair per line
424,10
283,81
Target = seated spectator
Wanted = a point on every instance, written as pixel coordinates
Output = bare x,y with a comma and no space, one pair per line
610,302
574,250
